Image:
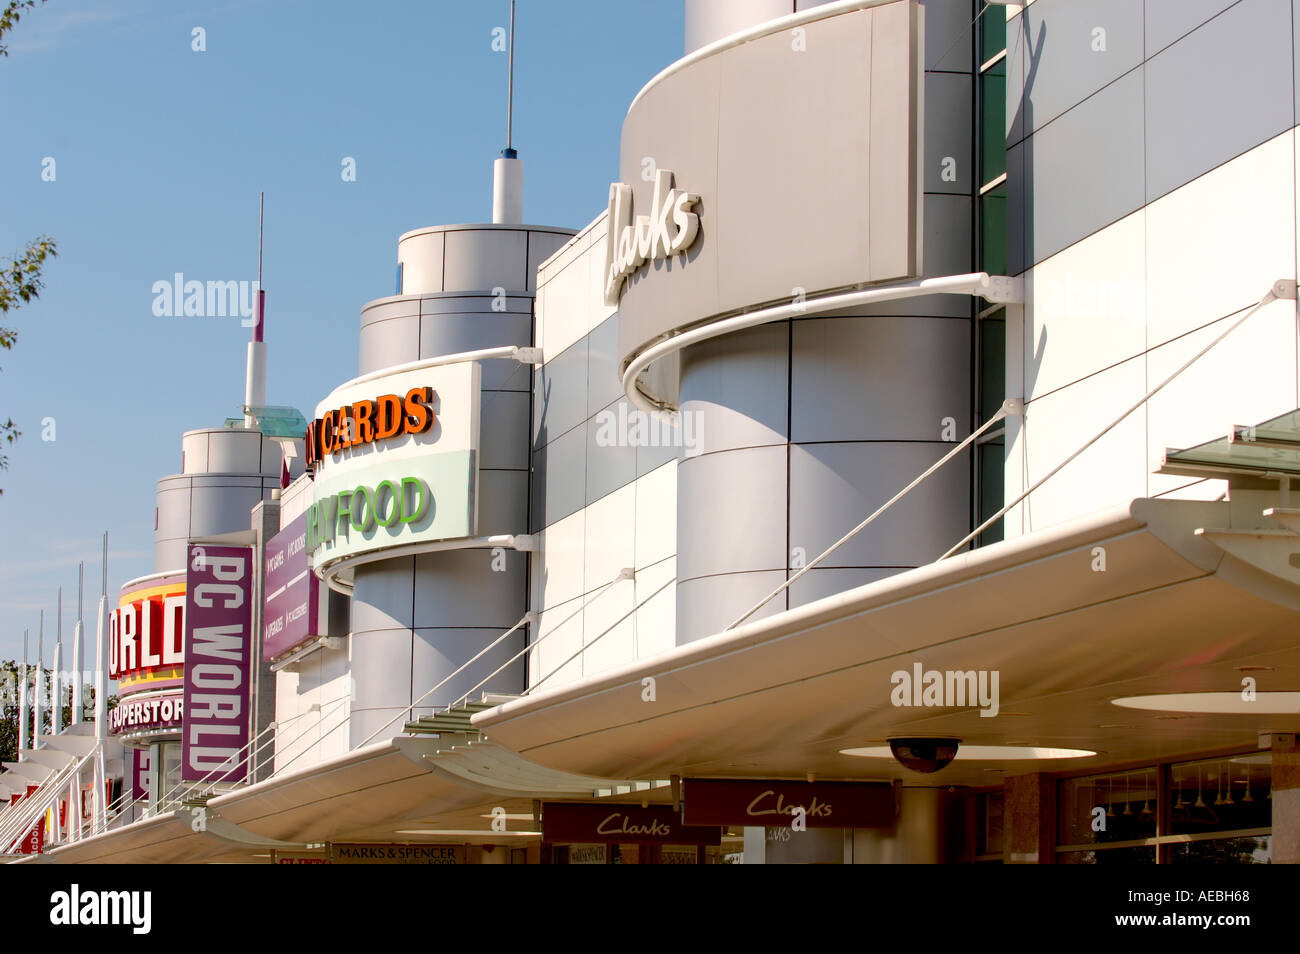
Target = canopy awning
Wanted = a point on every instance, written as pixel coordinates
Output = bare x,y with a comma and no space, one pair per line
1129,601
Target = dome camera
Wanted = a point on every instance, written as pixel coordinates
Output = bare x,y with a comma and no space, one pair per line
924,755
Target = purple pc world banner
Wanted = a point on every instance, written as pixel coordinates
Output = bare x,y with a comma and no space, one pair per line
292,613
218,662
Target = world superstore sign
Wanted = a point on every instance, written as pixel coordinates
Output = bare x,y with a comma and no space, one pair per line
399,475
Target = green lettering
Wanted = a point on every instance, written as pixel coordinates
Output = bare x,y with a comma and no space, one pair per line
344,501
363,518
412,512
379,507
325,519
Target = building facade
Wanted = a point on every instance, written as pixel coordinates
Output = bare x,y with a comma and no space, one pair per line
897,470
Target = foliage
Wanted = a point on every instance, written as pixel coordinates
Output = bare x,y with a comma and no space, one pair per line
10,16
9,707
20,279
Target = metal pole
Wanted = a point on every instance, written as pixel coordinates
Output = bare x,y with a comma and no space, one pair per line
510,82
78,653
99,800
40,684
56,676
101,653
24,707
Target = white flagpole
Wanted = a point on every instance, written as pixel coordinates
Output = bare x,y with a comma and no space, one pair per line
56,681
24,704
99,796
40,684
78,657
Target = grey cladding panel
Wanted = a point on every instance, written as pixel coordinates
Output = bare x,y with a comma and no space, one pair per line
503,430
734,388
503,502
388,343
820,582
1085,170
611,454
947,252
461,588
559,478
731,510
381,599
437,653
1075,49
381,671
706,606
482,259
1169,20
442,334
603,384
215,510
856,378
948,166
541,246
1222,90
835,486
947,35
560,394
819,192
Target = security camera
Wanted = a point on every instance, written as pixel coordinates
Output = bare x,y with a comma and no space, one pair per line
924,755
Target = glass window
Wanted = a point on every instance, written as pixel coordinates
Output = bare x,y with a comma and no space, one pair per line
1096,809
1141,855
1228,794
993,231
993,363
1224,851
993,32
993,122
991,455
988,836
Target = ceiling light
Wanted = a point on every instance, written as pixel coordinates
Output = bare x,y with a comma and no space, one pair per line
1216,703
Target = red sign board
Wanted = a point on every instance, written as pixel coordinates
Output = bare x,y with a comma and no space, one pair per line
775,803
34,841
587,823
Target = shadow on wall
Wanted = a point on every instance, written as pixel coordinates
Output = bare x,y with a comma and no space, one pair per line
1024,120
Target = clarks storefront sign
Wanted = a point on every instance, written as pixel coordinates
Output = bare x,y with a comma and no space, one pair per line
586,823
777,803
804,171
670,227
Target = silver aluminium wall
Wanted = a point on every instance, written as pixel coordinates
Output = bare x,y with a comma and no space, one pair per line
809,425
416,619
225,472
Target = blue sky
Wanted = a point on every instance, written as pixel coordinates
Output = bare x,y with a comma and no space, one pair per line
160,153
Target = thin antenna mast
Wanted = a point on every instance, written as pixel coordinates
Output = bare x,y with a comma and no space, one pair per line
508,171
255,371
510,86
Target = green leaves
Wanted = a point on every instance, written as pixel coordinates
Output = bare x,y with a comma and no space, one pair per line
20,280
11,15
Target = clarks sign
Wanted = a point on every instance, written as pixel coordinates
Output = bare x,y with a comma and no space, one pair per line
587,823
671,227
775,804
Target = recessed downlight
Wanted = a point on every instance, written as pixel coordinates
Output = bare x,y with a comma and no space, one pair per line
1216,703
